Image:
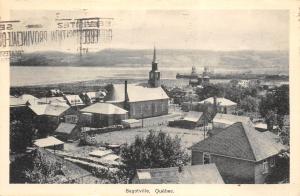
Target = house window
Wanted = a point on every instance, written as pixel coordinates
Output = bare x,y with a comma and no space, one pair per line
272,161
265,167
206,158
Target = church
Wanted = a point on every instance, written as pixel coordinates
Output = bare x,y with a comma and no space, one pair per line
139,100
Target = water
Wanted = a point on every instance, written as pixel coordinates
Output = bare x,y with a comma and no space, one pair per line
24,76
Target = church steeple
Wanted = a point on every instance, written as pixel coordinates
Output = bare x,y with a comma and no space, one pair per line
154,74
154,63
154,55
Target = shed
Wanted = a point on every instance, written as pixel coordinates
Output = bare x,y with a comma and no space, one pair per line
131,123
194,119
191,120
67,131
100,153
49,142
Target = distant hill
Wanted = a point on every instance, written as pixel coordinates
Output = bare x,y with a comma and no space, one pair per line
233,60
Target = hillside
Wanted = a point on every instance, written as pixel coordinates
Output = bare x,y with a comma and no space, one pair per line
233,60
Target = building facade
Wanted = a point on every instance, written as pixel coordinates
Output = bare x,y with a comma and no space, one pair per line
241,154
139,100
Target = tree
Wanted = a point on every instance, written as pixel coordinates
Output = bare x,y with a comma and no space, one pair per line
20,135
210,90
277,101
249,104
281,97
156,150
42,168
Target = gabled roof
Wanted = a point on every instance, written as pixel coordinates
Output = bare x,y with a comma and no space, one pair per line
16,102
48,109
48,141
103,108
200,174
194,174
91,95
229,118
158,175
242,141
193,116
30,98
65,128
73,100
100,153
221,101
53,101
136,93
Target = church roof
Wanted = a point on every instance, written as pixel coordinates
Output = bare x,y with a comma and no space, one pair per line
137,93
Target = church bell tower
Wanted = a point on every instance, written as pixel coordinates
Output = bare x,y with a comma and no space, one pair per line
154,74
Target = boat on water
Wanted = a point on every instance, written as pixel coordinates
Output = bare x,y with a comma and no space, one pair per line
193,74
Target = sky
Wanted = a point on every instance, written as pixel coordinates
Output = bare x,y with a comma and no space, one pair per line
222,30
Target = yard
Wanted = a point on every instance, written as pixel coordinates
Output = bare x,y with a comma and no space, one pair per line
188,137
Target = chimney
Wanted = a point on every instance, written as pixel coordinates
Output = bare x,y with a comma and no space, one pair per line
126,92
215,104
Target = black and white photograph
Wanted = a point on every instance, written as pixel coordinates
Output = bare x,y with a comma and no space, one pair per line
149,96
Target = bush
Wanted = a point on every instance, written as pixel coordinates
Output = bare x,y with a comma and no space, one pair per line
157,150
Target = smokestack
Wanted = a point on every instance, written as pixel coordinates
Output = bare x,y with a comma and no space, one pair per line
126,92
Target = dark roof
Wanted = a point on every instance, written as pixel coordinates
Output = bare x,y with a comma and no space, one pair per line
241,140
215,131
65,128
195,174
231,142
